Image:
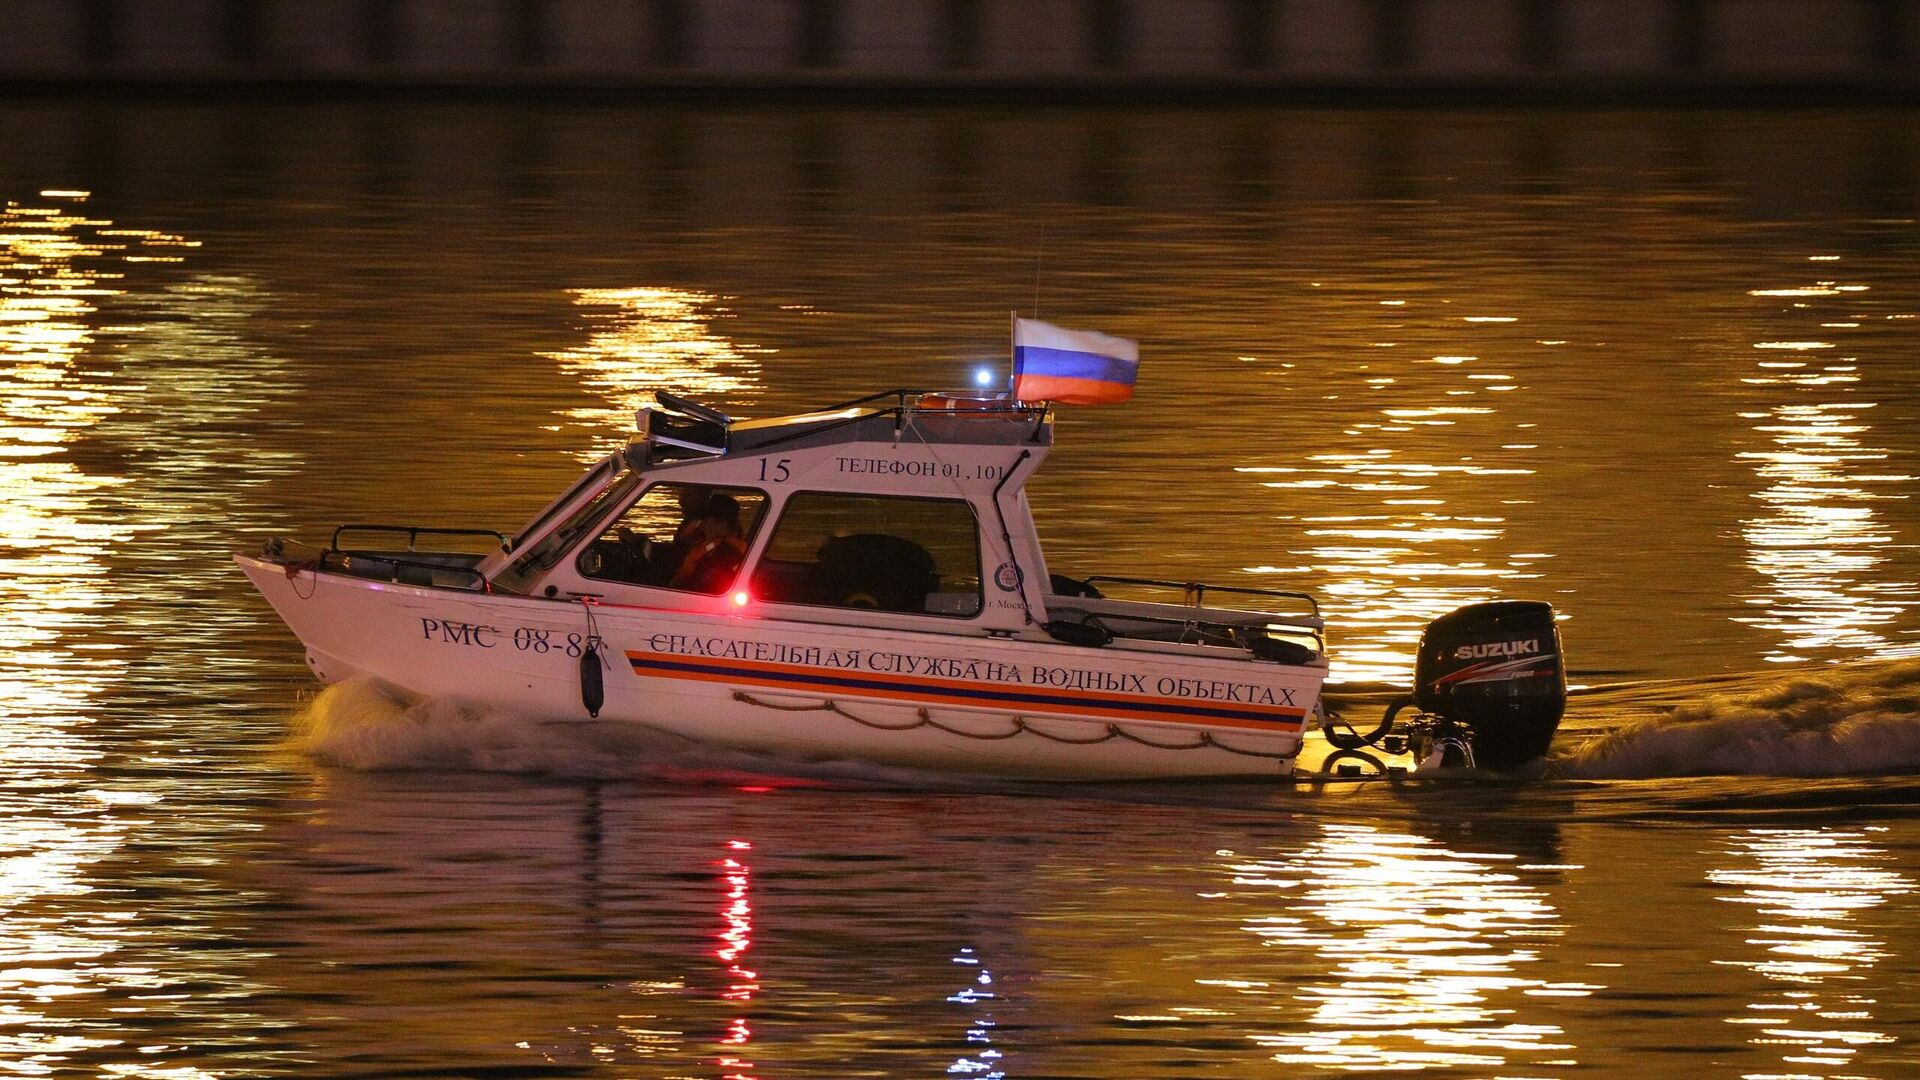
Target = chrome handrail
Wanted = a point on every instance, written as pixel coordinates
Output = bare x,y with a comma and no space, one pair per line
1237,635
1196,591
414,533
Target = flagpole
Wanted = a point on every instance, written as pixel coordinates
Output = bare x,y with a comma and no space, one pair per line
1039,253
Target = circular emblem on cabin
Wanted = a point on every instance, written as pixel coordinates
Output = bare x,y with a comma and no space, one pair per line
1007,577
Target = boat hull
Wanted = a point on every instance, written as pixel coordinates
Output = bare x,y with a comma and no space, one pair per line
810,691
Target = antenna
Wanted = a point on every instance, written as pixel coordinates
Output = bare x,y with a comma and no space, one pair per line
1039,254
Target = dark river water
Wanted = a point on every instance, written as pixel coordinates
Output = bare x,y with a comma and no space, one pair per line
1661,369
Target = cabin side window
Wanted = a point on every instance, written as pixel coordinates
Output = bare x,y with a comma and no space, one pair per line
691,537
885,552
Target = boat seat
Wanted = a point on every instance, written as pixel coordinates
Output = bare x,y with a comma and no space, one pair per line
875,570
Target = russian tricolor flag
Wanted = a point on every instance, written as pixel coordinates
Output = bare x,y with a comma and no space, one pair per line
1072,367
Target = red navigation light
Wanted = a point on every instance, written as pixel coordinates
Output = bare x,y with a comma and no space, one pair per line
740,598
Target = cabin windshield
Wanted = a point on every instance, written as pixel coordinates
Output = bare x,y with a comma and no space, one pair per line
551,548
885,552
598,475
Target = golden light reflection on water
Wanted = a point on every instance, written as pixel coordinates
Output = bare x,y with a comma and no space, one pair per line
1807,886
1408,550
55,268
982,1059
1423,948
648,339
1820,543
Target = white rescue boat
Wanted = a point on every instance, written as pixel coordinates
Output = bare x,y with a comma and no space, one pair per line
865,582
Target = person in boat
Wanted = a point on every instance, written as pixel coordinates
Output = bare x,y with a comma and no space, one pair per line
657,562
693,502
715,546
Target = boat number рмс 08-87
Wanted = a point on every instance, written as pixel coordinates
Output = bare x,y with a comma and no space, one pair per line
525,638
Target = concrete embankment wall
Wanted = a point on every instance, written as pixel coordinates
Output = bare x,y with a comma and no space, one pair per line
1864,47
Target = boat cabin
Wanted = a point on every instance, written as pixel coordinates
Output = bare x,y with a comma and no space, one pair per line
905,510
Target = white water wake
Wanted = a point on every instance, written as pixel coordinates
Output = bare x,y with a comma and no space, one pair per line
1853,721
360,724
1861,720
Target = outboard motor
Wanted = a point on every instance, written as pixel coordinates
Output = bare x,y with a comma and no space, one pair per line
1488,687
1494,669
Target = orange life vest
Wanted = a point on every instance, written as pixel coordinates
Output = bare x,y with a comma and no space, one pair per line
708,561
